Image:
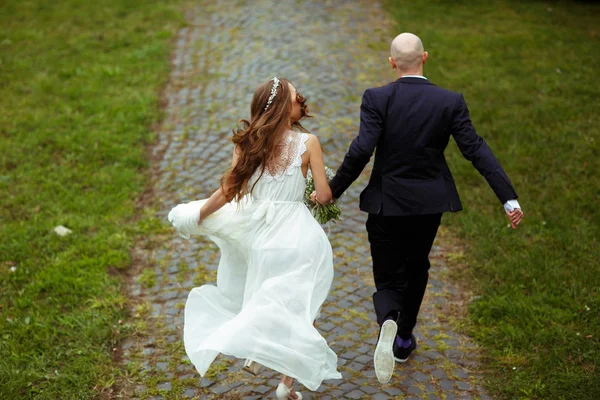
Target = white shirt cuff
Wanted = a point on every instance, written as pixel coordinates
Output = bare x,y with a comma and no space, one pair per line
511,205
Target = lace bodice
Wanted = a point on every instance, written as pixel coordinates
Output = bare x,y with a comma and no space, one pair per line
283,180
290,151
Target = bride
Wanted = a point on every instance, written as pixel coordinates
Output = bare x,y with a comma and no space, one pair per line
276,265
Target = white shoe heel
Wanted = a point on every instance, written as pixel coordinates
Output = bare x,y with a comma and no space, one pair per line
252,367
283,393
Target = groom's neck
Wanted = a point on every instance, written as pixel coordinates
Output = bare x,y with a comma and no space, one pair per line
418,72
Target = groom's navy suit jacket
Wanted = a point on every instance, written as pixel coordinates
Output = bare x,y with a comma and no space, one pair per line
410,122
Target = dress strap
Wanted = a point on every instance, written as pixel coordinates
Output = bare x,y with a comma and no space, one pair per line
301,149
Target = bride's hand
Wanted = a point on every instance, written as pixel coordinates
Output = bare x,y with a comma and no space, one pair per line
313,197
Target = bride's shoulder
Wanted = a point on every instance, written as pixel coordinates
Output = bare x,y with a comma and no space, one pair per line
311,142
310,139
305,136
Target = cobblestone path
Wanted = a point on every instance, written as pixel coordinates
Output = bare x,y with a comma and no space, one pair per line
331,50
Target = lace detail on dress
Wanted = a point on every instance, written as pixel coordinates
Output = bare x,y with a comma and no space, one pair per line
291,149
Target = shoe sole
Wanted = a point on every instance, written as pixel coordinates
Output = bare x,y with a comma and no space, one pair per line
384,355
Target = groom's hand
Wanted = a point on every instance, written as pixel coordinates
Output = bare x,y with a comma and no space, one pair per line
515,217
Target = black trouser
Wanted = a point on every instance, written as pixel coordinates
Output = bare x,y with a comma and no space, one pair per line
400,249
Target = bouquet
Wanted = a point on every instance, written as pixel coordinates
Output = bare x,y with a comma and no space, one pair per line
322,213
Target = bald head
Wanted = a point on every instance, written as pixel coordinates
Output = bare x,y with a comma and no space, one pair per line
407,52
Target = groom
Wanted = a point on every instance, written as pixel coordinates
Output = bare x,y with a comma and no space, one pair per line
410,122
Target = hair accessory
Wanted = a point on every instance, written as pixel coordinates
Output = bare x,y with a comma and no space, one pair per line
273,92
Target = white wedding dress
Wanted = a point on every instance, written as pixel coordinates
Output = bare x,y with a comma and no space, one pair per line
275,271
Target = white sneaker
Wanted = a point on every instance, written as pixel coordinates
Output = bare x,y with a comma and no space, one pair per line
384,353
252,367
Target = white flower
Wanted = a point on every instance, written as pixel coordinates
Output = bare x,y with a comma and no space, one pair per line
13,269
62,230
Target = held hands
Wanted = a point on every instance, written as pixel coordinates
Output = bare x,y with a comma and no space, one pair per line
313,197
515,217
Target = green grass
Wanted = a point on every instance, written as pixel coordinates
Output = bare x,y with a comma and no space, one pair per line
80,84
529,72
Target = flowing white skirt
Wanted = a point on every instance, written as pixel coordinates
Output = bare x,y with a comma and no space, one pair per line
275,271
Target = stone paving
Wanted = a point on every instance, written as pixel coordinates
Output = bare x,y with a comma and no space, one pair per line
332,51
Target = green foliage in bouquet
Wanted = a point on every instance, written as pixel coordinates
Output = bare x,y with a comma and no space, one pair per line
322,213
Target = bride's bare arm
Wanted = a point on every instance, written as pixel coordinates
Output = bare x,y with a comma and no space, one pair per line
317,167
217,199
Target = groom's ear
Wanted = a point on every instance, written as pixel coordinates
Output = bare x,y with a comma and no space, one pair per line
425,55
392,62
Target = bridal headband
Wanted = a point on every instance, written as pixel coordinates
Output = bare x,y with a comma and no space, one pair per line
273,92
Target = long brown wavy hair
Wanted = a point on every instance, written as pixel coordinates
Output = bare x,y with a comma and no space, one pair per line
256,140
